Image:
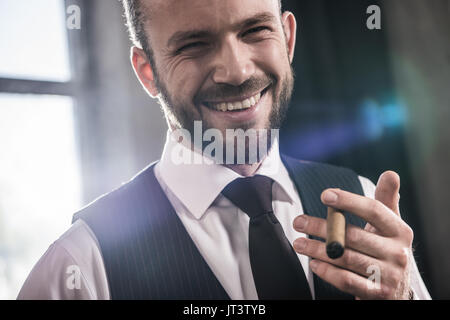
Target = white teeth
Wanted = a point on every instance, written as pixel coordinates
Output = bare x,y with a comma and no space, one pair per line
238,105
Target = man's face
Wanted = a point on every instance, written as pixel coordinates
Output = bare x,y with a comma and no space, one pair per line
212,56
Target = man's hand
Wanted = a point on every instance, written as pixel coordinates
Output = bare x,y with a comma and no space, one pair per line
384,244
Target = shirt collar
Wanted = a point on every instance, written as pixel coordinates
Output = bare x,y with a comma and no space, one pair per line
197,184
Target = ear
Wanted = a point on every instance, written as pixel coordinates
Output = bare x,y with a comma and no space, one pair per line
143,71
290,31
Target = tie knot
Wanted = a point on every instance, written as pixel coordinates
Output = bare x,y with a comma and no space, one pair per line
253,195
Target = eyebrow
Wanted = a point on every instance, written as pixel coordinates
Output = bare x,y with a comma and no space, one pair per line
180,36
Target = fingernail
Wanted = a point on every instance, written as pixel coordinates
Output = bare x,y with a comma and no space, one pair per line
330,197
300,244
300,222
313,264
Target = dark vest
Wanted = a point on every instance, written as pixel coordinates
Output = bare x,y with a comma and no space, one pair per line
148,253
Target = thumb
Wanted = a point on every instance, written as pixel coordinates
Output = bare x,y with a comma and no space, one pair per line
387,190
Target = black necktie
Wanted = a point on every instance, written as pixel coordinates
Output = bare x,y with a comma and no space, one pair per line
276,269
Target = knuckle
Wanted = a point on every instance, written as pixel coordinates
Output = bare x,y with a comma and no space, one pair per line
397,277
316,227
348,258
323,269
347,282
309,247
313,225
353,236
318,248
408,233
375,207
401,258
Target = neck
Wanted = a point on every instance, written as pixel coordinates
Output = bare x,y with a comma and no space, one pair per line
245,170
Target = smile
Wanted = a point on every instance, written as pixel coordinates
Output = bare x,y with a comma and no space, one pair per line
237,105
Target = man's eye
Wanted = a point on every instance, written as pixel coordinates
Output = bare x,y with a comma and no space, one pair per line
256,30
192,45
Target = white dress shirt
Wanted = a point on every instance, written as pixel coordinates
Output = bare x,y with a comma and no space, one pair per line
72,267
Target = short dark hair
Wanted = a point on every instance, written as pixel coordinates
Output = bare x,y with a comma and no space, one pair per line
135,21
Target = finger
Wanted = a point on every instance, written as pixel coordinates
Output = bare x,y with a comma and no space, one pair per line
349,282
351,260
371,210
387,190
356,238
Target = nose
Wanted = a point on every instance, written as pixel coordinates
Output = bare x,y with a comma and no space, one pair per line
233,64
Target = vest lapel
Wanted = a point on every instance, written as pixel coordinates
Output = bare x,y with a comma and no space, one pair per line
311,179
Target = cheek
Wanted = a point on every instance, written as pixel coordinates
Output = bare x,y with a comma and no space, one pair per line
183,81
272,58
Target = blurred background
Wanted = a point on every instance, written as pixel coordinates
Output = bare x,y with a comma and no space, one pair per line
75,123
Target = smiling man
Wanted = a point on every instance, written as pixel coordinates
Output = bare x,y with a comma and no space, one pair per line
235,230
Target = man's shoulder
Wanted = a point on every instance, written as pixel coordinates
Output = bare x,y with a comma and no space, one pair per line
68,269
142,182
323,171
316,168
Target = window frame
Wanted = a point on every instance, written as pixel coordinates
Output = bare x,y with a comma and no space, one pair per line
79,71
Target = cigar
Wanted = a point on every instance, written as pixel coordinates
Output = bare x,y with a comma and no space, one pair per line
335,233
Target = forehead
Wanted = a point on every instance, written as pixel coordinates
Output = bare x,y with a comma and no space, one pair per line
168,16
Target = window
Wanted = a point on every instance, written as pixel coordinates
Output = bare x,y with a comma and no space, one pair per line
36,40
39,174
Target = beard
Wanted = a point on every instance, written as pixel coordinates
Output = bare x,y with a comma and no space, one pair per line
179,116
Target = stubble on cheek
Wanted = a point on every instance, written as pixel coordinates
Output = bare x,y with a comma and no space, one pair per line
179,114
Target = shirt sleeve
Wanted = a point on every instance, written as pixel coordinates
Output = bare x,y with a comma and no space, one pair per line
418,287
70,269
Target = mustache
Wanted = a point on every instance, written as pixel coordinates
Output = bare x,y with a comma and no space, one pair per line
224,91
